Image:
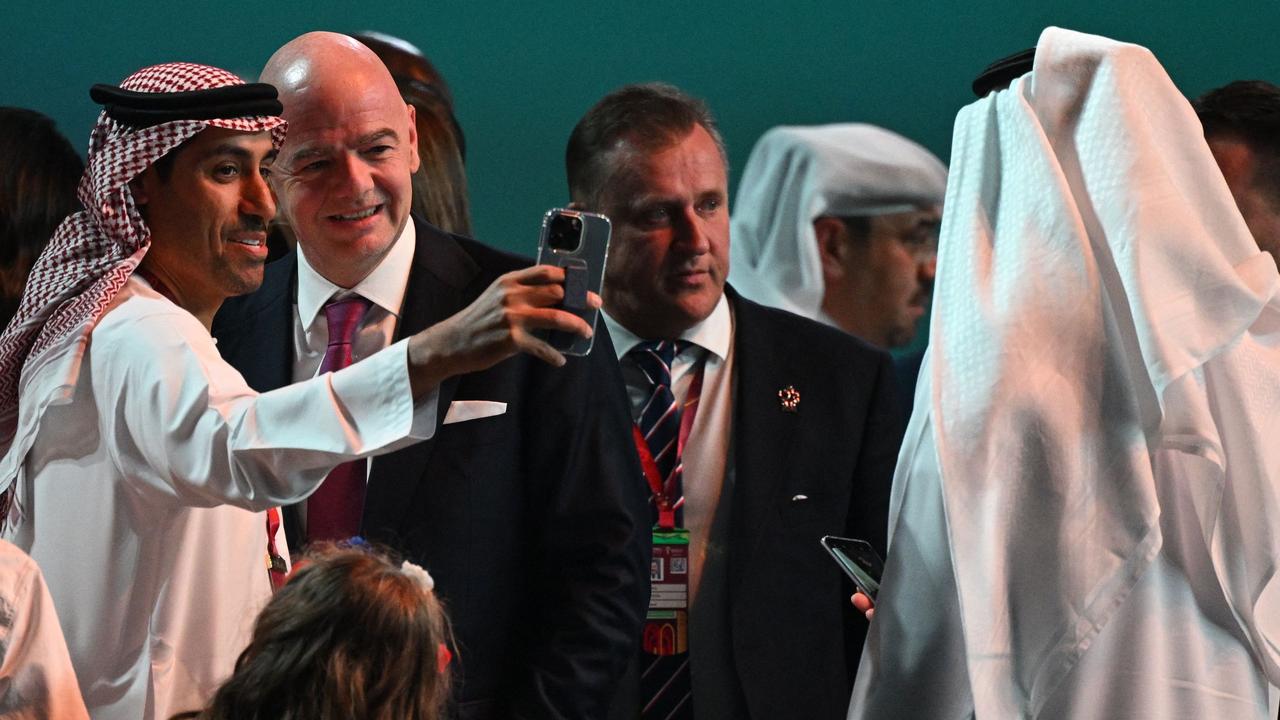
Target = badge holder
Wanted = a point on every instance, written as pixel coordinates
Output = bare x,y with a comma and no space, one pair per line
666,625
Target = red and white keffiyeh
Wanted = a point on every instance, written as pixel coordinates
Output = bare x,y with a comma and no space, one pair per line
93,252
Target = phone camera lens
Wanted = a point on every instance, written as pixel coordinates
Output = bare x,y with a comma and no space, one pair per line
564,233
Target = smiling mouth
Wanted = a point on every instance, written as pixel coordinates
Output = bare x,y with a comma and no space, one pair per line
250,241
356,216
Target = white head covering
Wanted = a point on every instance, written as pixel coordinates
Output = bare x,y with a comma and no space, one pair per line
797,174
1096,302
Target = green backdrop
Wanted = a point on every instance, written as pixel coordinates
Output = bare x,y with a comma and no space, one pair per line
523,73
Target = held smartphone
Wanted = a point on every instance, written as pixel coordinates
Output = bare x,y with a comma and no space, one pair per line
858,560
578,242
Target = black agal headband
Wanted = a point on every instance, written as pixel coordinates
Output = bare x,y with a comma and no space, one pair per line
999,74
145,109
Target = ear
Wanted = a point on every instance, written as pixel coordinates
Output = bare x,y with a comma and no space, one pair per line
414,160
833,246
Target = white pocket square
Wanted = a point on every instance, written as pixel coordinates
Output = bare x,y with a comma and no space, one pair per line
464,410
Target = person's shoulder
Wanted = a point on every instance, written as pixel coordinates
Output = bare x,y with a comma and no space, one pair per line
15,565
453,258
809,337
137,303
490,258
139,321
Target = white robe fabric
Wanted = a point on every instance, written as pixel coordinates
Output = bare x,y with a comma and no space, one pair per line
1086,512
141,494
36,679
797,174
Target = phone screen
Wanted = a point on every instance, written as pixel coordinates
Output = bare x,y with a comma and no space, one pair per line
858,560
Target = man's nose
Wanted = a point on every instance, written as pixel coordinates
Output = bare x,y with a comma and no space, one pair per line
928,269
692,233
356,175
256,198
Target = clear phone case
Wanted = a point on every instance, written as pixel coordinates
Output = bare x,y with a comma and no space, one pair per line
578,242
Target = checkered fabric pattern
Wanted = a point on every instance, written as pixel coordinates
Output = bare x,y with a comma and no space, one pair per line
93,252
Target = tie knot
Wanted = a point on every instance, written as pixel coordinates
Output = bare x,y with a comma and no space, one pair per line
654,357
344,316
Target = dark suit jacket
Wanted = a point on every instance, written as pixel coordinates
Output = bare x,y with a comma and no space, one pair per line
795,639
533,523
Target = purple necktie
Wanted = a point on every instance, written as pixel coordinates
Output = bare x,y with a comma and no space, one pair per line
334,511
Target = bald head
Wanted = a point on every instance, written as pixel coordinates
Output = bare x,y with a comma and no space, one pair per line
323,58
343,174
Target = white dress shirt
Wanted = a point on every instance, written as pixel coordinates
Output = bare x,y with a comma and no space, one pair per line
706,454
383,288
141,496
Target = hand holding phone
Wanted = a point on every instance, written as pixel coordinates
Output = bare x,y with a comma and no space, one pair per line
858,560
863,604
578,242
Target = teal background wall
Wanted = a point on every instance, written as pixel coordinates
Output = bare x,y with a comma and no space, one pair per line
522,73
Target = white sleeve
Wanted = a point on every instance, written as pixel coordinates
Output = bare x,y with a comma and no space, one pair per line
36,678
183,423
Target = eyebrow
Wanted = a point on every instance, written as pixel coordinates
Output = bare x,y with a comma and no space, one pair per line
307,153
377,135
313,151
232,149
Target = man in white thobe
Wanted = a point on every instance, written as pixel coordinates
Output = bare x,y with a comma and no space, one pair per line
839,223
138,463
1086,513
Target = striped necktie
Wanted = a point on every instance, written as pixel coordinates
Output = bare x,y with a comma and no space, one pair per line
659,421
666,688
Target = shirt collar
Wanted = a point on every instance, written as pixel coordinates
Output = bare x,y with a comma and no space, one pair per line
383,287
713,333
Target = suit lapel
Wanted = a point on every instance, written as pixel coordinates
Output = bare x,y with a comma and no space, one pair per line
761,433
439,284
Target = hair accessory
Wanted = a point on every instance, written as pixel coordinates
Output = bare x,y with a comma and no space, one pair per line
358,543
419,575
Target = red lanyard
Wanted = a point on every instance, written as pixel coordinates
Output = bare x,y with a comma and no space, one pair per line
276,569
661,494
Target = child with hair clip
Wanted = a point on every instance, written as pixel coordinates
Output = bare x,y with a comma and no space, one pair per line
352,634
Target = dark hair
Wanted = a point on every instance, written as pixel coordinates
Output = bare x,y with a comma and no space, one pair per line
1248,111
440,183
351,635
648,117
39,174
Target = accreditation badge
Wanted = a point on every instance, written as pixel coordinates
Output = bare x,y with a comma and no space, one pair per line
666,625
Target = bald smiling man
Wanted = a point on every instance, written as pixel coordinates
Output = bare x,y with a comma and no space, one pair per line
527,506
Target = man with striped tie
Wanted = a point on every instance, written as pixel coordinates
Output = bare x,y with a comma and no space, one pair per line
759,432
